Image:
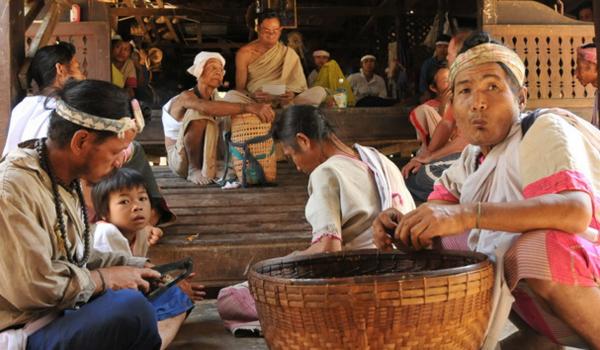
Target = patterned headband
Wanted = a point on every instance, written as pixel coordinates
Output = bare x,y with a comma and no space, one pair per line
118,126
487,53
588,54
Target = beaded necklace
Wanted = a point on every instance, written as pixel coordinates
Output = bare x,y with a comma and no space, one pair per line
42,152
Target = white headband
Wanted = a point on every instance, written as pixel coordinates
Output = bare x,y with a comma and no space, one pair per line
118,126
201,59
320,53
366,57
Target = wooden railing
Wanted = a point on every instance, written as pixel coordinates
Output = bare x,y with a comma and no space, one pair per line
550,56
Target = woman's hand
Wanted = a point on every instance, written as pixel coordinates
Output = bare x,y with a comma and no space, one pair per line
384,225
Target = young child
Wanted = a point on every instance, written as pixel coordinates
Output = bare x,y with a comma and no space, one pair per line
587,74
123,206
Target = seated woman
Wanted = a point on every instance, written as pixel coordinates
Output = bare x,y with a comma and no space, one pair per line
347,187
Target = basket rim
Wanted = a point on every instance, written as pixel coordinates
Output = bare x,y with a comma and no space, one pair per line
388,277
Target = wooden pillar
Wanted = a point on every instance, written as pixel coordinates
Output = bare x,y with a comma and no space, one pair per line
486,13
12,55
596,9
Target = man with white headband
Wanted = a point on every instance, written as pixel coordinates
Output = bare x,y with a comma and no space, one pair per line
439,55
368,88
190,124
58,292
320,57
524,192
587,73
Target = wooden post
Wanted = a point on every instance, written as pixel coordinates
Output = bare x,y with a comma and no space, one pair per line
486,13
596,9
12,54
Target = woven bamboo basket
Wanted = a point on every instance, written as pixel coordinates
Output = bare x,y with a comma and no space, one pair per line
245,127
374,300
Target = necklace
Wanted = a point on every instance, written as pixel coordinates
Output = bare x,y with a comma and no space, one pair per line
42,152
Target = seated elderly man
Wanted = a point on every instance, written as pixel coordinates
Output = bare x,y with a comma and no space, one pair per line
270,72
524,192
189,123
369,88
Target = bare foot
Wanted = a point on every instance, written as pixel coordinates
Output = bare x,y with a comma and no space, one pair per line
195,176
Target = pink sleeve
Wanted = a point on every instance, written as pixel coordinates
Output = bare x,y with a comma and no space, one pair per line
441,193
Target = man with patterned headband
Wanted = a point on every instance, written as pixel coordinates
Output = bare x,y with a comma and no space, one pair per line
524,192
58,292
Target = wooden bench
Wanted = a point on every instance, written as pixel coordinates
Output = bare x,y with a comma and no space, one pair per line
386,128
225,231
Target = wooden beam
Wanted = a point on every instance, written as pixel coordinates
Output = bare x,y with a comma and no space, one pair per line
12,54
44,33
332,11
168,23
34,10
596,9
139,19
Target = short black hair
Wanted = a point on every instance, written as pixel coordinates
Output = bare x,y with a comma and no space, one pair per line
478,38
122,179
96,97
304,119
588,46
43,64
443,37
432,72
268,13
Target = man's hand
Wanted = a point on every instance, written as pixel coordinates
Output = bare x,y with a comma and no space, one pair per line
127,277
262,97
194,290
154,234
385,223
264,111
287,98
411,167
420,226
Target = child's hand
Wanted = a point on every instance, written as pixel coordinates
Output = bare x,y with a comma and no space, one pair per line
193,290
154,234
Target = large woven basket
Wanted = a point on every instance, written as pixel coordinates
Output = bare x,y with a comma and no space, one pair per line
373,300
245,127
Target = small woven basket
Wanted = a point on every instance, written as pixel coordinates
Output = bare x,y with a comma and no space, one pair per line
374,300
245,127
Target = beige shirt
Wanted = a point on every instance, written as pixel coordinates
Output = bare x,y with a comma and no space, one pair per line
36,276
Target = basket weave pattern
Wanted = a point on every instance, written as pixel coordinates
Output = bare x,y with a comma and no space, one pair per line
390,311
245,127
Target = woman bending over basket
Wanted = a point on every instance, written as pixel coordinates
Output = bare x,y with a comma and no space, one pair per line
348,187
526,193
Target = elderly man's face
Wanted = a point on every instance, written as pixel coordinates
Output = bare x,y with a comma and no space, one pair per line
99,158
269,31
320,60
586,72
212,74
484,105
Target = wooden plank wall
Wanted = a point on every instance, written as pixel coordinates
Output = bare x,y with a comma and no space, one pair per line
12,55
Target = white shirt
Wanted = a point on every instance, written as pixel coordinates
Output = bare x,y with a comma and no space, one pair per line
171,125
312,77
362,88
28,120
108,238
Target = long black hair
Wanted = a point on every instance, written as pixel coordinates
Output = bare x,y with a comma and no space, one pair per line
96,97
304,119
43,64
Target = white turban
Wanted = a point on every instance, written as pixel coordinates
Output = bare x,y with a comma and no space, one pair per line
201,59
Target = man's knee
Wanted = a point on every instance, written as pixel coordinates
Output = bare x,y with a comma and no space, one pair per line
133,312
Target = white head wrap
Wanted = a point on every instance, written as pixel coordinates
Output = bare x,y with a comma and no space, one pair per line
489,53
201,59
366,57
320,53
